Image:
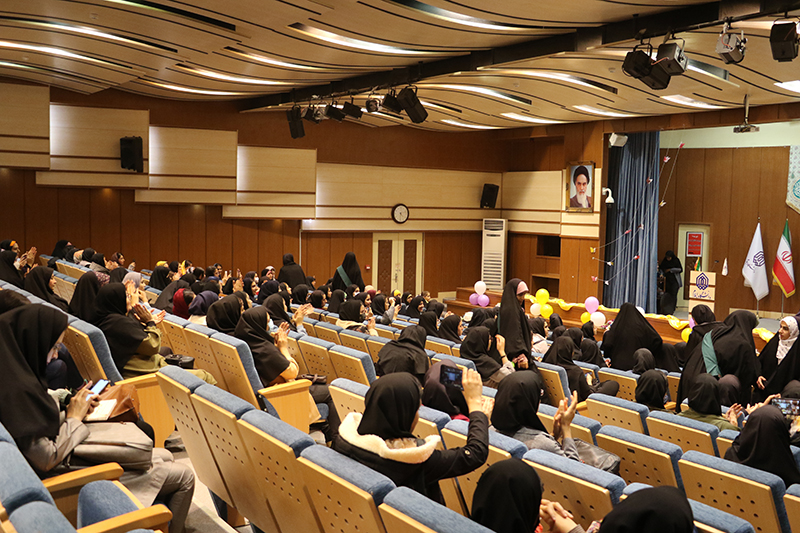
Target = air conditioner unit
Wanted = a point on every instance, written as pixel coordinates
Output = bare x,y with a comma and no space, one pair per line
493,258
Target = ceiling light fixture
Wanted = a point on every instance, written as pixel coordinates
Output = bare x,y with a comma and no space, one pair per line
691,102
278,63
639,64
191,90
458,18
527,118
479,90
294,116
227,77
332,111
443,107
411,104
51,50
390,103
602,112
333,38
556,76
352,110
471,126
671,58
730,46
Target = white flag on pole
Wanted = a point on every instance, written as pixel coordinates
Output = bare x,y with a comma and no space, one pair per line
725,267
754,269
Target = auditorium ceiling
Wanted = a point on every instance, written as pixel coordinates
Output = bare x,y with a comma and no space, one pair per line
476,64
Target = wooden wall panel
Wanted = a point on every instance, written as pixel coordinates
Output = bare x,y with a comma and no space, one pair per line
135,231
12,216
219,236
245,245
41,215
24,126
163,237
451,260
75,214
317,256
106,221
570,269
192,231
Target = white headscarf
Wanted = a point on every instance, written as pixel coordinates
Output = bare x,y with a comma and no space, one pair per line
785,346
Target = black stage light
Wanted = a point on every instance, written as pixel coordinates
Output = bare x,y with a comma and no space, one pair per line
390,103
783,40
637,64
658,78
413,107
371,105
312,115
672,59
352,110
295,123
334,112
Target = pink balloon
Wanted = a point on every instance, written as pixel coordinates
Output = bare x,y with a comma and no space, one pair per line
691,322
592,304
473,298
483,300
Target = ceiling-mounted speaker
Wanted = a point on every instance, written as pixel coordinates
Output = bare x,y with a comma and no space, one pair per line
294,116
489,196
617,140
783,40
131,153
413,107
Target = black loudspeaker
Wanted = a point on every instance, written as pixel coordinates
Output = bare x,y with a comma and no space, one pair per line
131,156
295,119
783,40
489,196
413,107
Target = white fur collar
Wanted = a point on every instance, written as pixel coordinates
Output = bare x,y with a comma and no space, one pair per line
400,450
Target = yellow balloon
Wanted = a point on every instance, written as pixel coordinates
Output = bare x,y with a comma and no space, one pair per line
542,296
547,309
586,317
685,334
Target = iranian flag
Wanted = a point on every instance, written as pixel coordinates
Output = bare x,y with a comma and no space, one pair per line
782,270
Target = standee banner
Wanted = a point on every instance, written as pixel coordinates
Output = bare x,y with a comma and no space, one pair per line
793,185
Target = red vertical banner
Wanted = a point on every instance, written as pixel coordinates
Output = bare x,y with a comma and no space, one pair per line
694,244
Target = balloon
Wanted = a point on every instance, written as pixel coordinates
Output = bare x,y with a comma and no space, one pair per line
598,318
483,300
592,304
542,296
685,334
586,317
536,309
691,322
547,310
473,298
480,287
640,309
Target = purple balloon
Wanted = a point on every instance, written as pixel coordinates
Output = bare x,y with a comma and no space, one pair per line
483,300
473,298
592,304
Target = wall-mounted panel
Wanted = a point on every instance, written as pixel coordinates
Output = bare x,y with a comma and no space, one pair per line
84,147
191,166
24,126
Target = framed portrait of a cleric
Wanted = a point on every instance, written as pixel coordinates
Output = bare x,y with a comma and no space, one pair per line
579,187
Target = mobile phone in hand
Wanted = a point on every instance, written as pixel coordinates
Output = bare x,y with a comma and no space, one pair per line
99,387
451,376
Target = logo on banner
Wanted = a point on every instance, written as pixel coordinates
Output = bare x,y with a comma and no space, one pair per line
701,282
758,259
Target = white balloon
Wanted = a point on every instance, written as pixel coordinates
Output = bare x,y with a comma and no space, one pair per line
598,318
480,287
536,309
640,309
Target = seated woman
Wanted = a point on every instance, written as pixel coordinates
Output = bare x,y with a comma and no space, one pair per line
650,390
589,330
40,282
318,299
181,301
704,404
82,303
780,364
8,269
199,306
273,361
224,314
450,328
47,434
300,294
555,322
583,384
405,354
539,333
405,301
429,322
629,332
134,341
160,278
445,398
416,307
476,347
335,301
515,415
382,437
352,314
165,299
662,509
276,306
764,444
643,361
384,309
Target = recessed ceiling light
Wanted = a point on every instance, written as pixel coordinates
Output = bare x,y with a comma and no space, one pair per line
685,100
602,112
793,86
719,74
478,90
443,107
458,18
51,50
471,126
227,77
192,90
557,76
283,64
349,42
527,118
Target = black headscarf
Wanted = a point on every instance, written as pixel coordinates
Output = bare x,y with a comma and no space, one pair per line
275,307
405,299
704,397
8,272
577,337
516,404
476,348
537,326
82,303
252,329
351,310
59,251
223,315
445,398
436,307
413,307
390,406
629,332
480,315
643,361
406,354
351,270
336,301
27,334
300,294
202,302
778,374
588,330
160,278
702,314
188,278
513,324
98,263
268,288
248,288
448,329
378,305
37,282
316,299
291,273
651,388
555,321
165,299
590,353
428,321
69,254
350,291
507,497
87,255
564,348
662,509
117,275
212,285
556,333
11,300
764,444
173,266
123,333
669,358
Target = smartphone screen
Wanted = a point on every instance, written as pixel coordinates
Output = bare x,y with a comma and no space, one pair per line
451,376
790,407
99,386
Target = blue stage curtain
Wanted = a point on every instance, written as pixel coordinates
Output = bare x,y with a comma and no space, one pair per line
633,177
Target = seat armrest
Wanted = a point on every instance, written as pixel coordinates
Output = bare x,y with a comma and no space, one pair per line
154,517
79,478
293,403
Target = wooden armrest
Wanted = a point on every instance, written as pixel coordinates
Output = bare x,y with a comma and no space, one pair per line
140,381
581,407
292,387
293,402
154,517
670,406
79,478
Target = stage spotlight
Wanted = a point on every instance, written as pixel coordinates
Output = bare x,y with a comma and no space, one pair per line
731,47
672,58
295,122
413,107
658,78
783,40
390,103
371,105
638,63
334,112
352,110
312,114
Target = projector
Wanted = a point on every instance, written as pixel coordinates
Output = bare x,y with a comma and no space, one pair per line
745,128
731,47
